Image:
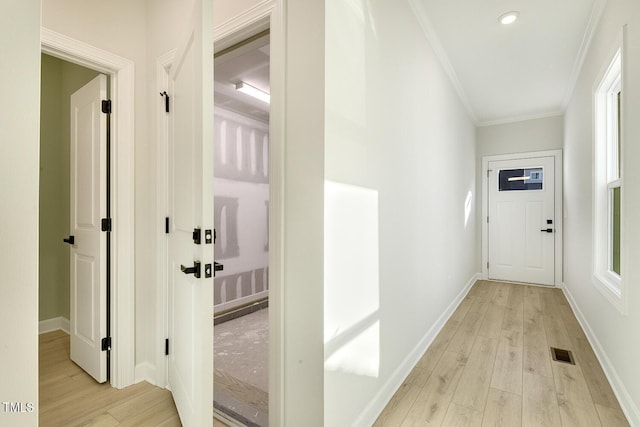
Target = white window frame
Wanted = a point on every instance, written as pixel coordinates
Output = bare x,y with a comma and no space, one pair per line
608,176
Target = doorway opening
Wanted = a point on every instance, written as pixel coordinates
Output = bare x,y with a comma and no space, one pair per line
241,218
68,162
119,73
74,198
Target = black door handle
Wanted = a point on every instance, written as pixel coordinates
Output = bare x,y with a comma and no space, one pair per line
71,240
217,267
195,270
547,230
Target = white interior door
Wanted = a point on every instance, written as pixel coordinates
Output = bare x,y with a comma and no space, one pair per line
190,298
88,207
521,220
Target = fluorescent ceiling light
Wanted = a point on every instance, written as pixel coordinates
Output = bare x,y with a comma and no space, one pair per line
253,91
519,178
509,18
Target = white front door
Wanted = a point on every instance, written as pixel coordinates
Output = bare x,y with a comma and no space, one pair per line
88,249
190,293
521,220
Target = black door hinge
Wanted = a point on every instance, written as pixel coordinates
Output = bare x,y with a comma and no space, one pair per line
166,347
106,106
166,100
166,225
106,224
106,344
197,236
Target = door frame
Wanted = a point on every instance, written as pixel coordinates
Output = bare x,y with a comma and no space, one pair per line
267,14
557,155
121,75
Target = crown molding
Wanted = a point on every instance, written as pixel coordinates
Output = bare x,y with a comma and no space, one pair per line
522,118
443,58
596,13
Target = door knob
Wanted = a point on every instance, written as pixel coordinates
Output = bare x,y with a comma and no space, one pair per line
547,230
195,270
71,240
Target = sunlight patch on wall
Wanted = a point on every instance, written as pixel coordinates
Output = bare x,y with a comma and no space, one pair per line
351,275
359,356
467,208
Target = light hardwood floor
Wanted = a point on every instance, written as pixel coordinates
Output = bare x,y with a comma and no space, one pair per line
70,397
491,366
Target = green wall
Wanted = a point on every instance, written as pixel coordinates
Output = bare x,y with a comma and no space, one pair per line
59,80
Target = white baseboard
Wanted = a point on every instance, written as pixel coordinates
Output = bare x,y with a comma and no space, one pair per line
627,403
55,324
372,411
145,372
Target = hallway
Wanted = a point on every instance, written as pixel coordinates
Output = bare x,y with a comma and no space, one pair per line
491,365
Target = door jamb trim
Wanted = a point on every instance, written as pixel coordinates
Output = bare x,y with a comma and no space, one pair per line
122,75
557,155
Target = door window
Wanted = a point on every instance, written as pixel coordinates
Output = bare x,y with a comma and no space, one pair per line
520,179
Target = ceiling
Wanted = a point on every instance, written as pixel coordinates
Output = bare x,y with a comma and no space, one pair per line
509,72
502,72
249,63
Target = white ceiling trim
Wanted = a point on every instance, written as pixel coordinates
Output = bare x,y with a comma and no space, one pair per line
594,19
522,118
434,40
253,20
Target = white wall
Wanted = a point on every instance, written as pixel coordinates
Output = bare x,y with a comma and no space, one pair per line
399,166
59,80
301,295
508,138
19,146
517,137
53,269
613,335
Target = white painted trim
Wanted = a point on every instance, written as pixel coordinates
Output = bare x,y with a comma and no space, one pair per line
145,372
594,19
243,26
433,39
55,324
277,172
121,72
372,411
629,407
557,155
163,64
516,119
616,292
267,14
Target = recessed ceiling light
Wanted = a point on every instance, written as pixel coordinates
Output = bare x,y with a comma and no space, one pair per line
509,18
253,91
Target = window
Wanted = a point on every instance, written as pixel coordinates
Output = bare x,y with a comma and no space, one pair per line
608,186
520,179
